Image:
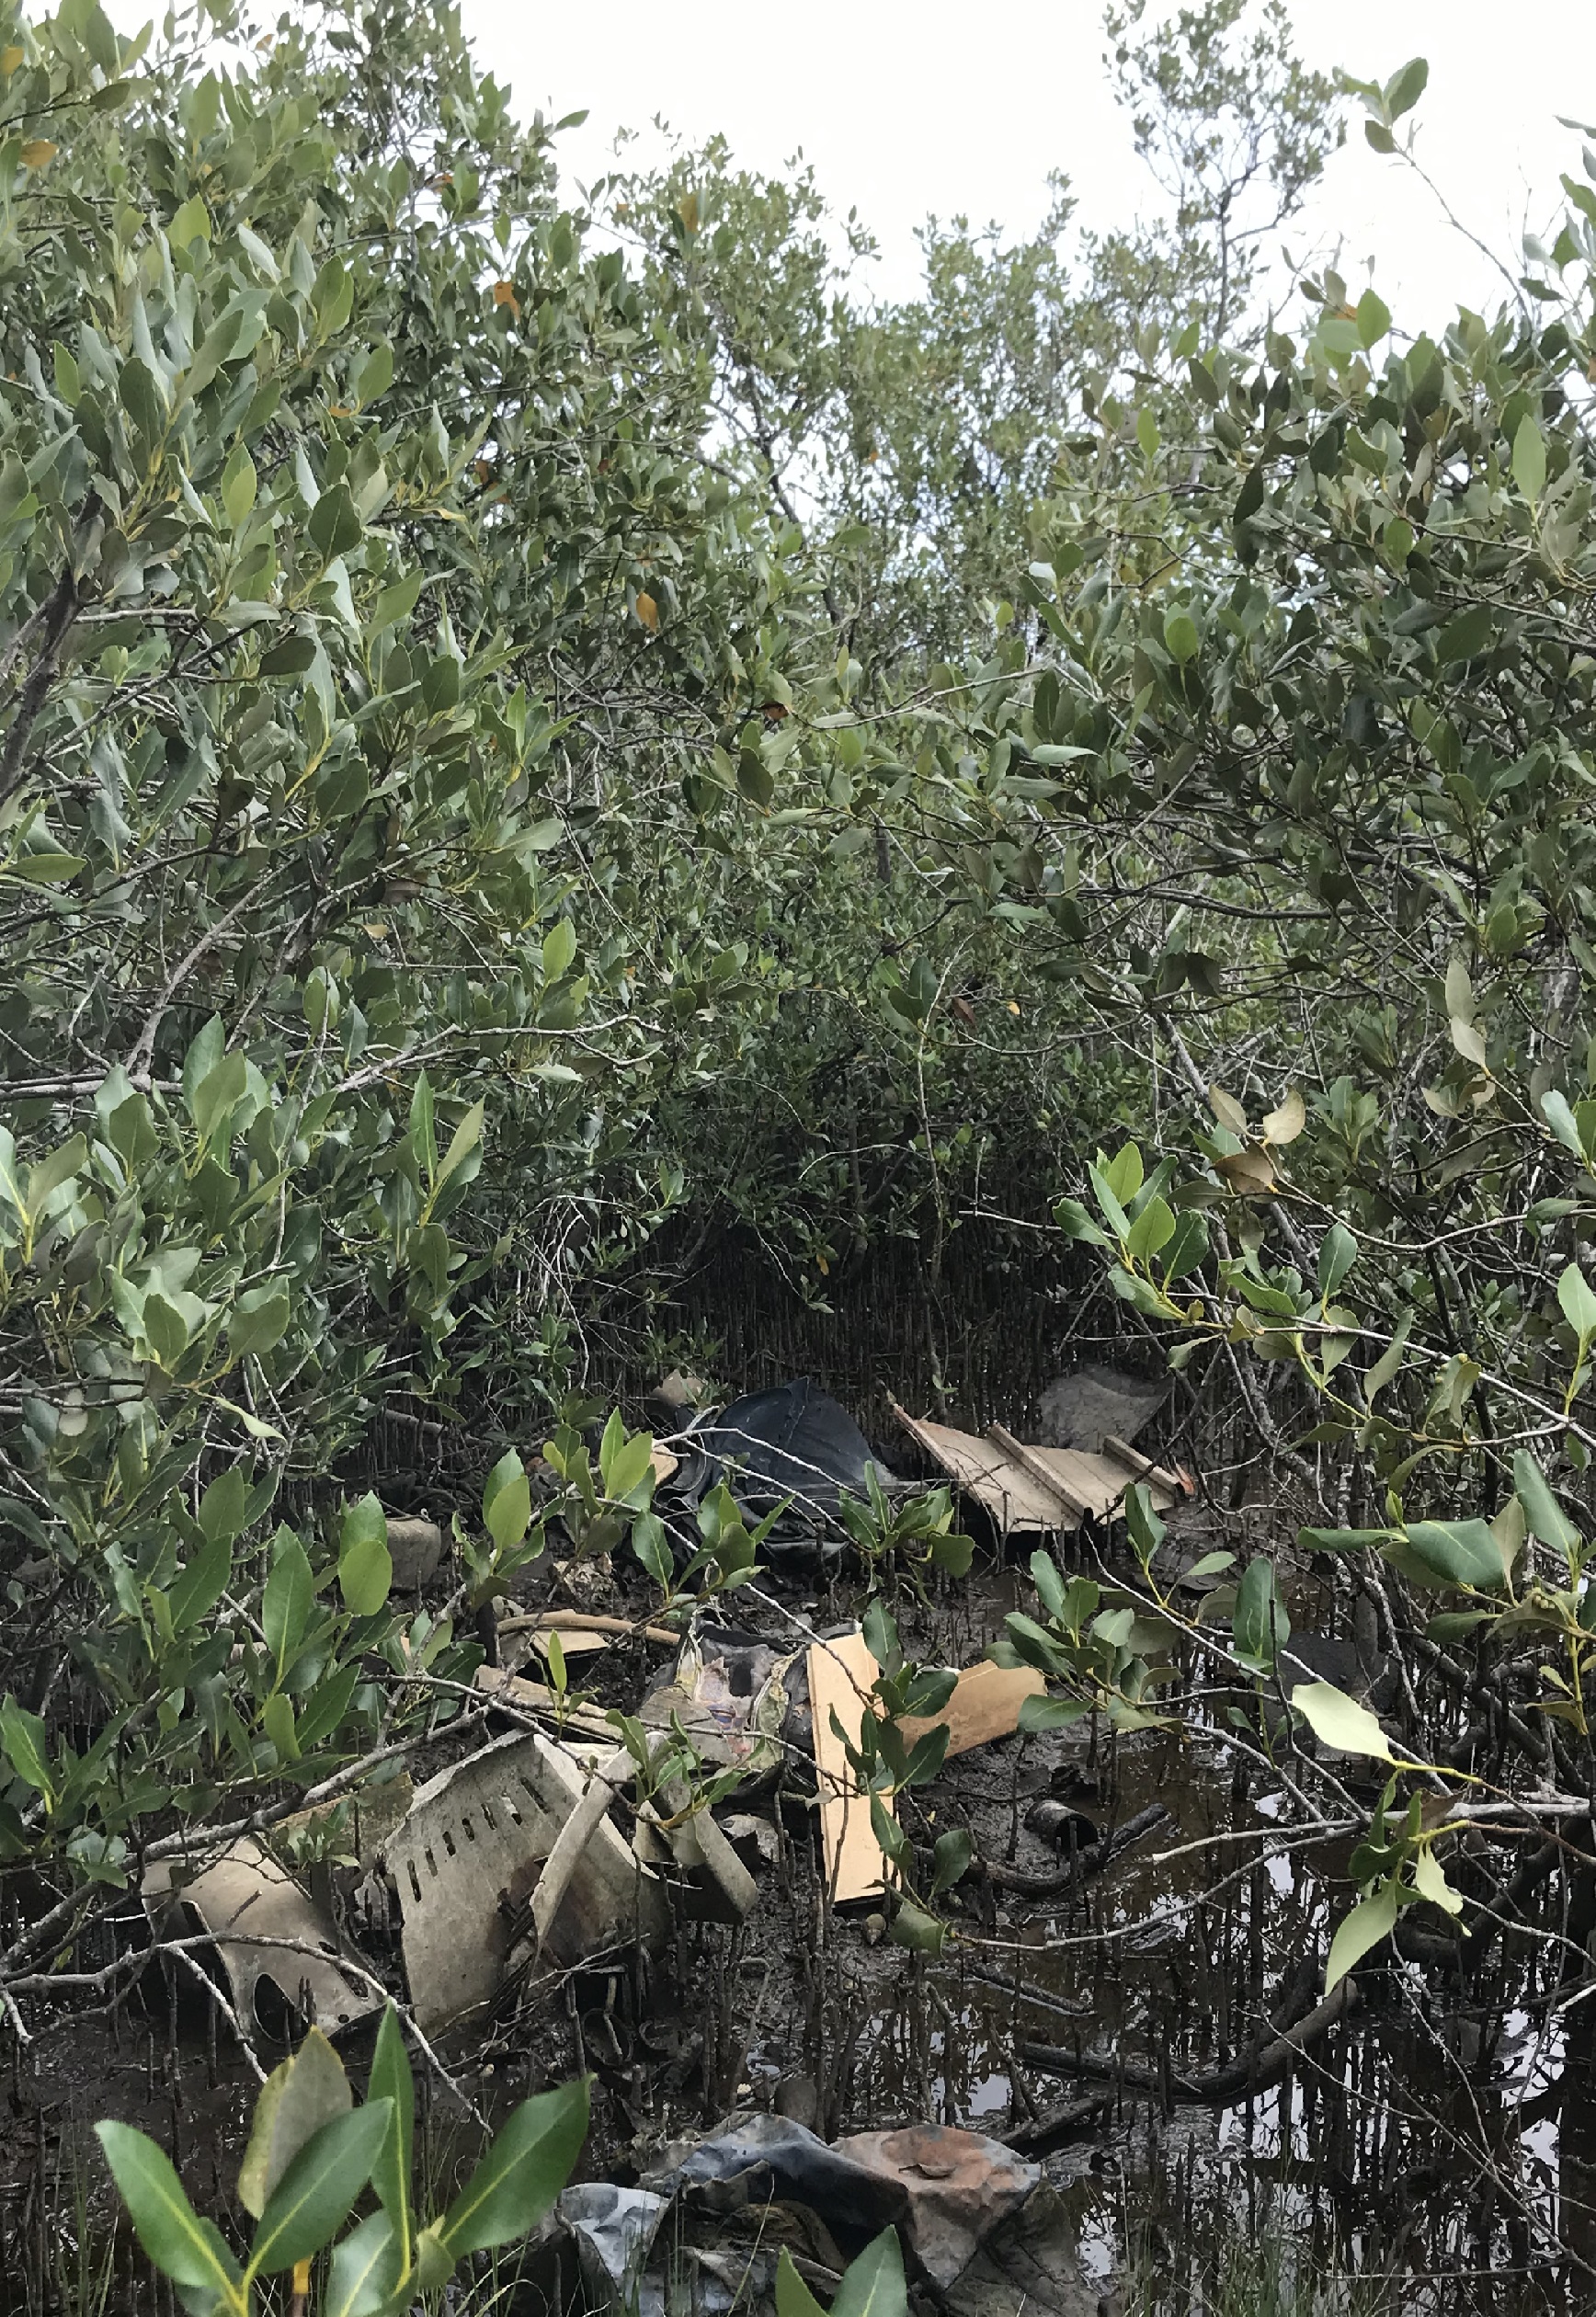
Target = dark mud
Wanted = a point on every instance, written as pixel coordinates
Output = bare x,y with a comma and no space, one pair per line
1441,2144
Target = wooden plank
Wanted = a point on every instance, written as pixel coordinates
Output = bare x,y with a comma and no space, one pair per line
1032,1461
1013,1497
534,1698
1144,1466
985,1705
841,1673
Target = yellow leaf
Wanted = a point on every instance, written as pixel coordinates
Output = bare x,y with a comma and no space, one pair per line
9,59
686,209
1249,1174
648,613
504,295
1013,1006
38,153
1228,1112
1284,1125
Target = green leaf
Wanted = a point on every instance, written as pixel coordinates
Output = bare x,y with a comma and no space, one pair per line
1468,635
1337,1253
396,604
365,1564
518,2179
793,2297
45,1179
1544,1516
366,2270
1373,318
46,868
201,1583
467,1135
1339,1722
314,2195
325,1708
185,2248
872,2285
277,1719
392,2080
308,2090
1152,1229
1181,637
1459,1552
920,1933
1404,89
1367,1924
1530,459
1578,1304
335,524
1038,1713
165,1329
225,1503
219,1095
292,656
22,1735
1386,1366
1562,1121
1075,1223
559,949
506,1501
238,484
285,1604
950,1859
258,1321
1259,1626
1430,1882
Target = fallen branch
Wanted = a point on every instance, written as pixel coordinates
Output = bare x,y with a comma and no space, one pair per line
1257,2070
578,1621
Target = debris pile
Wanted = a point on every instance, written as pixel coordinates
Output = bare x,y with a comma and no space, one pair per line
596,1821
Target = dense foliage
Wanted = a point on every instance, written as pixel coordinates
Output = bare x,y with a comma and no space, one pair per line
620,702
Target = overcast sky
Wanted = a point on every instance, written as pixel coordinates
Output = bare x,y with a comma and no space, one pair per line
904,108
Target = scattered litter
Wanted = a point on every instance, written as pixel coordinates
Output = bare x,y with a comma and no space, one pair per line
532,1697
1030,2264
971,2213
1083,1409
1065,1829
794,1446
415,1547
614,2231
370,1817
469,1856
602,1783
698,1843
960,2188
756,2159
730,1692
575,1641
246,1892
985,1706
755,1840
1039,1489
841,1673
679,1391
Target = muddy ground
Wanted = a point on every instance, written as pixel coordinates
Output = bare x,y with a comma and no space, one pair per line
1442,2145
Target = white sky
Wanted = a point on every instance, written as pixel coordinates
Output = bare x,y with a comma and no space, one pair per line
905,108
